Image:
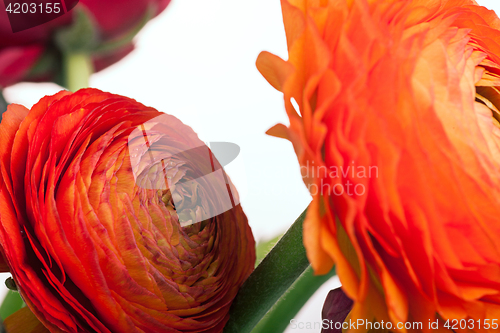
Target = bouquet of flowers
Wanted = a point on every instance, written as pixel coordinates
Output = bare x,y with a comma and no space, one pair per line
117,217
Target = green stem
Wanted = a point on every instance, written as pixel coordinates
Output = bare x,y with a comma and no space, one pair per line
271,279
11,303
77,69
278,318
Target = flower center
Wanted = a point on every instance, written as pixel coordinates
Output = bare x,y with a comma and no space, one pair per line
183,199
490,96
166,197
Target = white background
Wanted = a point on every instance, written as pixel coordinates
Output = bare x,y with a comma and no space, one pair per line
196,61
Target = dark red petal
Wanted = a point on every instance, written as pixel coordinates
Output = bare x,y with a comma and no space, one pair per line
15,63
336,308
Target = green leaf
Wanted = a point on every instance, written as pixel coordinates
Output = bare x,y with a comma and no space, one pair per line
278,318
11,303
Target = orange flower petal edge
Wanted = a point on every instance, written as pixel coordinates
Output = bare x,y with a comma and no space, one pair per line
89,247
394,117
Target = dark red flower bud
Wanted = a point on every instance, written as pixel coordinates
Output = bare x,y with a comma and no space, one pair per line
35,54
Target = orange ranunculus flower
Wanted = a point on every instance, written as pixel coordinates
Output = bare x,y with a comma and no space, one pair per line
94,242
393,108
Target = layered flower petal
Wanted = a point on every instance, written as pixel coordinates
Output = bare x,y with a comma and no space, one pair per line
93,249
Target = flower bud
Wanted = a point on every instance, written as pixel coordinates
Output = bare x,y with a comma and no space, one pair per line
90,247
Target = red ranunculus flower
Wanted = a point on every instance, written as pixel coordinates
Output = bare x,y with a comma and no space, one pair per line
110,223
21,52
